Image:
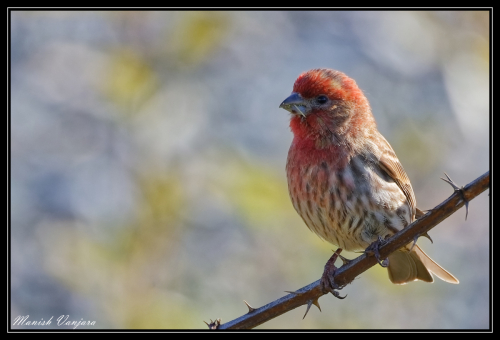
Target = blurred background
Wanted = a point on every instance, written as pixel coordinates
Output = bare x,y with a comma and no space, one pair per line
148,185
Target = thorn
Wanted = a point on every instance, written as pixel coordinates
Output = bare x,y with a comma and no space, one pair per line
250,308
450,181
427,236
414,242
344,260
417,237
316,303
461,190
213,324
420,213
294,293
309,303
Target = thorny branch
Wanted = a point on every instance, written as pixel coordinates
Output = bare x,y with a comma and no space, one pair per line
310,294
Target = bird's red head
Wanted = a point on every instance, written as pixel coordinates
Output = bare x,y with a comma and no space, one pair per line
327,105
334,84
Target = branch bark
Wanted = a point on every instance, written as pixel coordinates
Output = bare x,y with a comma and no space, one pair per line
347,273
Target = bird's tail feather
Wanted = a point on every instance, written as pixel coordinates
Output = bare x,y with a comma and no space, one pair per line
406,266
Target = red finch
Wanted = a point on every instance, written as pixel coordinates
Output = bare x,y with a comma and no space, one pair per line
344,179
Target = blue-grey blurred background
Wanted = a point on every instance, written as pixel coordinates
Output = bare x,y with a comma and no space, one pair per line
148,185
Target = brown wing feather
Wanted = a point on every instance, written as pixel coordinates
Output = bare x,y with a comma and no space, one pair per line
389,163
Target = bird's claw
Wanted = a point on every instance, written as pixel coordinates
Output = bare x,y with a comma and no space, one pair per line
337,295
328,285
460,190
327,282
373,249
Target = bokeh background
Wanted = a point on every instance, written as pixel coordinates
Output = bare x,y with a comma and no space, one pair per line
148,152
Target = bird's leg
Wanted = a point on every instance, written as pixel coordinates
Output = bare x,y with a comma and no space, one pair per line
460,190
327,281
373,249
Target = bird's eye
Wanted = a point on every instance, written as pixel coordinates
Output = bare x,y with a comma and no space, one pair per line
322,99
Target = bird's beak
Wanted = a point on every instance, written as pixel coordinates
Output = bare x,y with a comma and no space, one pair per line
295,104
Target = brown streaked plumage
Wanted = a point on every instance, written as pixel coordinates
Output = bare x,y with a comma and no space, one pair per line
344,178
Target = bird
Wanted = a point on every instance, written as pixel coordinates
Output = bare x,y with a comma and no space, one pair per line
344,178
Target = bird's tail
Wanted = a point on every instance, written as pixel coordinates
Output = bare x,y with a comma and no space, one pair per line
406,266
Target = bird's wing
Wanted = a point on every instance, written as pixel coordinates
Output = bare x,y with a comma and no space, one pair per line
390,164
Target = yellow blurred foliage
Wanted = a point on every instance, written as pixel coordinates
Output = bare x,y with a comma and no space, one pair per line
257,192
129,80
162,196
197,35
128,276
